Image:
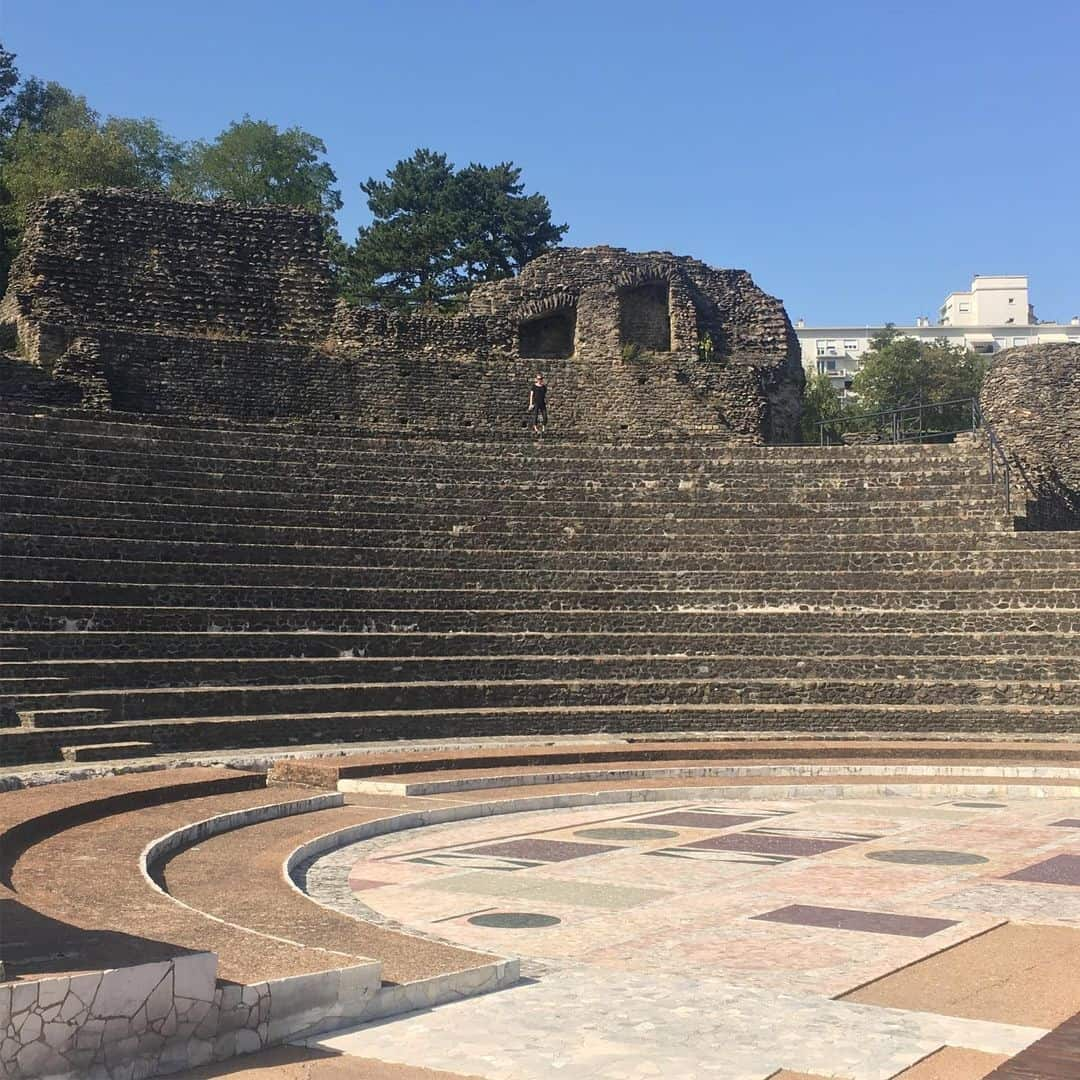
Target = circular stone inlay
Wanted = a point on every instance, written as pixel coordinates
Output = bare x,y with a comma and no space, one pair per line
917,857
982,805
514,920
615,833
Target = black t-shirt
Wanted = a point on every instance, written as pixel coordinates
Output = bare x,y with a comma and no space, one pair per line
539,396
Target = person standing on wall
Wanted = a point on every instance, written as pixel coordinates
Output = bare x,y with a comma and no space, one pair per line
538,404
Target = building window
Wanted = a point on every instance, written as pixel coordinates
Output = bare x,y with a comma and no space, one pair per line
965,308
830,365
850,346
1010,299
1020,341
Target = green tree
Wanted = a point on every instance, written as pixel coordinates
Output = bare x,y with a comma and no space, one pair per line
255,163
437,230
39,106
821,402
51,140
9,79
900,370
158,158
9,76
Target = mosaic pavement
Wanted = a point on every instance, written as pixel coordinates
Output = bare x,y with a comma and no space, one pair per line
708,939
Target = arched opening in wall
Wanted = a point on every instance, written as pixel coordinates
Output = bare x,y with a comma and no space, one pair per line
550,337
645,316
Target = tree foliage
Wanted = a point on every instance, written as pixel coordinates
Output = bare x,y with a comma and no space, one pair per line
437,230
255,163
899,371
822,402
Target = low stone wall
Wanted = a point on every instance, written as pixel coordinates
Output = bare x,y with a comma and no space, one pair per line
1031,398
140,1020
159,1018
171,1015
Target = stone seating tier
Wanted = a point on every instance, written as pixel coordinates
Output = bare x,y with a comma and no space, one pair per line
182,585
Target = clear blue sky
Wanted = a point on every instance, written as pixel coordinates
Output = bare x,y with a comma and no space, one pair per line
860,159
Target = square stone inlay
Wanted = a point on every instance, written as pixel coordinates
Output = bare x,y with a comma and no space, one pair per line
699,819
1060,870
529,847
868,922
768,843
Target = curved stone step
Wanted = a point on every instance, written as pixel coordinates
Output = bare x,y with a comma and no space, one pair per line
54,676
211,733
539,604
909,533
962,555
29,568
84,646
585,690
295,479
446,515
73,618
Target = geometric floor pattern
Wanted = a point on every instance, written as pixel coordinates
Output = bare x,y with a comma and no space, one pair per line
718,940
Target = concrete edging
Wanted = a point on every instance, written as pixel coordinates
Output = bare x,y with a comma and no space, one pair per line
480,783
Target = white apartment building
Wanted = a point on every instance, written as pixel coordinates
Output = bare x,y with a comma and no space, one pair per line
994,314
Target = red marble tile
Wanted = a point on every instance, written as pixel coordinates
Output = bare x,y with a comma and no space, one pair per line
544,850
692,819
768,843
1060,870
867,922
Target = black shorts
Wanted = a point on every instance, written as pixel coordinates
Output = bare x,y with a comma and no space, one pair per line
539,414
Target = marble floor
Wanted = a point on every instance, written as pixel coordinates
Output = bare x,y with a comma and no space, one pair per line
720,939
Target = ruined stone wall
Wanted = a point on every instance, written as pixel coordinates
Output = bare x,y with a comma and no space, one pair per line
119,260
668,306
160,306
400,391
1031,398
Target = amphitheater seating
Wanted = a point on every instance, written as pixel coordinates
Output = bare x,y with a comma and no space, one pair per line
111,917
74,898
171,585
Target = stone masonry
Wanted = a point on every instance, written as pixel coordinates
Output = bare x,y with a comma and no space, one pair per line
1032,400
152,305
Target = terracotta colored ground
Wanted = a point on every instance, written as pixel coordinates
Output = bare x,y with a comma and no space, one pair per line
953,1063
1016,974
297,1063
237,876
90,908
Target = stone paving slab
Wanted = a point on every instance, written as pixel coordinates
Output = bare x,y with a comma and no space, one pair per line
631,1026
651,989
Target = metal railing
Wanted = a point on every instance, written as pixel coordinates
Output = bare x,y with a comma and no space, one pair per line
909,423
905,423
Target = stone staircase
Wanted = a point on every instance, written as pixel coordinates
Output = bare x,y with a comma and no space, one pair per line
171,585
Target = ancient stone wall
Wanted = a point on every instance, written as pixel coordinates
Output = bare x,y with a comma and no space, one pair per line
1031,398
211,309
115,259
